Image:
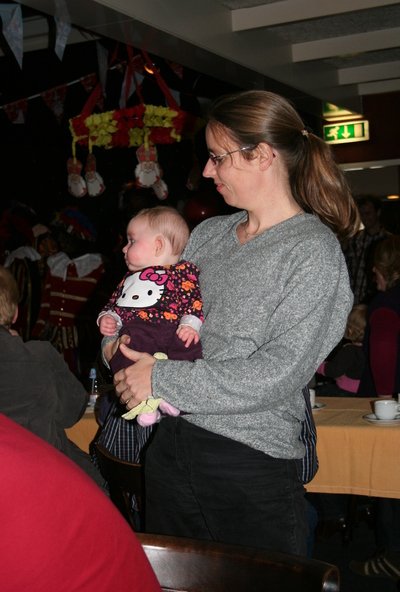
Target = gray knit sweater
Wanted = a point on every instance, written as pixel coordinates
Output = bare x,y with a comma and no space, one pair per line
274,308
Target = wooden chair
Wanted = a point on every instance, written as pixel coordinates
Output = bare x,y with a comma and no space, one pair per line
187,565
125,480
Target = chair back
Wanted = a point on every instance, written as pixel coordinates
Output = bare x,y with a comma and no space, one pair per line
187,565
125,480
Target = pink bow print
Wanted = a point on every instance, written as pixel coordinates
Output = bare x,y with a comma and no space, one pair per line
153,276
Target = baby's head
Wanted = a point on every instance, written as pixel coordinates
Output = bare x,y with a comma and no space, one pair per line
356,323
9,298
156,236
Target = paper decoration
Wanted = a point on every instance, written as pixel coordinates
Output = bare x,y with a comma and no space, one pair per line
148,172
55,99
11,17
63,27
76,183
94,181
131,82
16,111
102,60
123,128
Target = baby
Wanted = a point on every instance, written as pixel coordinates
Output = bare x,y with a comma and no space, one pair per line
158,302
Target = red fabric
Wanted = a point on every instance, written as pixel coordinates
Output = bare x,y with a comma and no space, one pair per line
385,331
64,300
348,384
59,532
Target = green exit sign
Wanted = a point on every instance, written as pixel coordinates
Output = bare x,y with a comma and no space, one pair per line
351,131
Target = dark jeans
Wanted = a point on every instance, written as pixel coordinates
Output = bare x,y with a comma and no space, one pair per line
205,486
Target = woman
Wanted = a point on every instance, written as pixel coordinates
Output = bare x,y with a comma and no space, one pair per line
381,377
276,299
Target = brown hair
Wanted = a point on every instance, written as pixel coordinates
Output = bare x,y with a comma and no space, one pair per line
168,222
387,259
317,184
356,323
9,297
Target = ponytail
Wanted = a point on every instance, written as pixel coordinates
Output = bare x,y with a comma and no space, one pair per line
320,187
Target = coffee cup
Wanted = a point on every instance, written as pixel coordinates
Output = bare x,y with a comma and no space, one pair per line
312,397
386,409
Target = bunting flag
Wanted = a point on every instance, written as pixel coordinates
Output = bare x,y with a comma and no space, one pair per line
16,111
63,27
102,60
11,17
132,82
55,99
90,83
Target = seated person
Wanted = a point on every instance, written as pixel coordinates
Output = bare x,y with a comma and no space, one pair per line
59,531
37,389
347,362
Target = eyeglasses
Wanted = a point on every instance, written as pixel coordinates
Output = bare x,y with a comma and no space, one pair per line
216,159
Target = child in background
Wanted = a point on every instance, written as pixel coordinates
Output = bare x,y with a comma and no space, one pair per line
347,364
158,302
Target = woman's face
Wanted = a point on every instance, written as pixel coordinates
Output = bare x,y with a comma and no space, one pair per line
381,283
235,178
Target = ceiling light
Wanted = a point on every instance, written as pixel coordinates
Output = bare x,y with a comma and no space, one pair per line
150,68
394,196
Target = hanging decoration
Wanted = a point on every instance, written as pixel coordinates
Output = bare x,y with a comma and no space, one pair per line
63,27
76,183
148,171
16,111
55,99
126,128
11,17
94,182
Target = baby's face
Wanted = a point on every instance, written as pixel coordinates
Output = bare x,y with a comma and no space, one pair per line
140,250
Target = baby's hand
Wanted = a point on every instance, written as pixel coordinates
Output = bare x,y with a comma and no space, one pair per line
188,335
108,325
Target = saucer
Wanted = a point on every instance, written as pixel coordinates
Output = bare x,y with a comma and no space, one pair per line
371,417
318,406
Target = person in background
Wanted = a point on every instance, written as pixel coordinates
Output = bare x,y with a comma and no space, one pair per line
37,389
360,249
276,299
72,280
347,362
59,531
381,376
382,379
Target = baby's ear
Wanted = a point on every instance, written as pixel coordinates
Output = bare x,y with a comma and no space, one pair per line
159,243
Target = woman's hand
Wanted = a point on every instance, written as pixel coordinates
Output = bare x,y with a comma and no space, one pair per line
133,384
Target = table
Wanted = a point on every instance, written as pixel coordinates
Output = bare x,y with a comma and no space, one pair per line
83,432
355,457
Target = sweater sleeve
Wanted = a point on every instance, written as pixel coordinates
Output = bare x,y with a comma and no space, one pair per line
383,344
72,397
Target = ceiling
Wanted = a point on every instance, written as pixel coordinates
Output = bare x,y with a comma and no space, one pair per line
331,50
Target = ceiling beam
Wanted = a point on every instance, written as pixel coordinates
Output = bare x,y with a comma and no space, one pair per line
378,72
289,11
383,86
346,45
